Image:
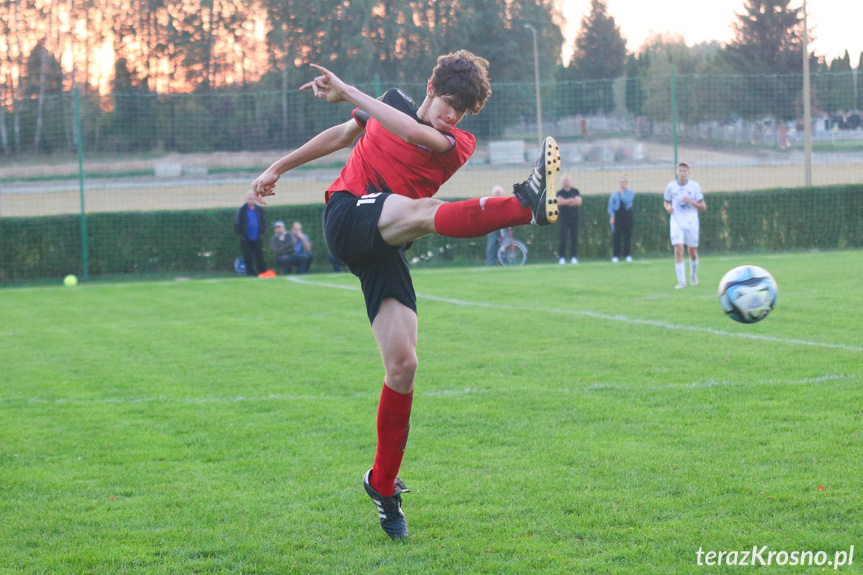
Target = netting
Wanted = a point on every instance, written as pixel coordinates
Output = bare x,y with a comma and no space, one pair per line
145,152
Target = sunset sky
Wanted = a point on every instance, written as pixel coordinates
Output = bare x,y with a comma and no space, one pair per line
838,24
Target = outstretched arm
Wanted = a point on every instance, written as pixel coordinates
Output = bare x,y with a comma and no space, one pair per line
330,140
333,89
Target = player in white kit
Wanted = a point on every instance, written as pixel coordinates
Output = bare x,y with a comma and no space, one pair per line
683,201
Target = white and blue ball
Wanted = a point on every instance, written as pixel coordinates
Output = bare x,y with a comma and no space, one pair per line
747,294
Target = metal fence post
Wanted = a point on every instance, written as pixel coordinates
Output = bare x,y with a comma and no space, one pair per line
85,273
807,104
674,113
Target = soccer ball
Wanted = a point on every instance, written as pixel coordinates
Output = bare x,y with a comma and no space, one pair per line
747,294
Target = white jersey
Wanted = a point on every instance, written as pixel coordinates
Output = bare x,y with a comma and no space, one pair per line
685,215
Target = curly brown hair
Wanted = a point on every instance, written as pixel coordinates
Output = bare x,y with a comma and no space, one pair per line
463,77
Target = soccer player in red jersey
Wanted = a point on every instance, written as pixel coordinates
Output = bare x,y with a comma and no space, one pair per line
382,201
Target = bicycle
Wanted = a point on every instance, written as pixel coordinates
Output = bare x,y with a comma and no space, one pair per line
511,251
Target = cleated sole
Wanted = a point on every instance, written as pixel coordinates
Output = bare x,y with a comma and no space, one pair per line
397,530
552,167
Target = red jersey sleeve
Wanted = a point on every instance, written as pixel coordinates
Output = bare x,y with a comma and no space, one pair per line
383,162
465,145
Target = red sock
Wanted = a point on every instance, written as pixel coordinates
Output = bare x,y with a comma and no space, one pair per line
394,414
478,217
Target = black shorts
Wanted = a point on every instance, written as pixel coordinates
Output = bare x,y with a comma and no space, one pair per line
351,231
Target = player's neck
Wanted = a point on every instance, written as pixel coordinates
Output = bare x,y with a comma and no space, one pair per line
422,111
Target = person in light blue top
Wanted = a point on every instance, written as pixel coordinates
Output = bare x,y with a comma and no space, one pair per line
302,248
621,219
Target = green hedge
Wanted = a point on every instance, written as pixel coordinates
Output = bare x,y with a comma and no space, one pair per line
768,220
203,242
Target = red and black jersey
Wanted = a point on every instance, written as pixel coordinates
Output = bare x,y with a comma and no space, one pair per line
383,162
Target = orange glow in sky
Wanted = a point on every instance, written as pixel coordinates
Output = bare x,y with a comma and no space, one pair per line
90,38
836,24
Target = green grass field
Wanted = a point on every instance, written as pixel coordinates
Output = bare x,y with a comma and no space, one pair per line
567,419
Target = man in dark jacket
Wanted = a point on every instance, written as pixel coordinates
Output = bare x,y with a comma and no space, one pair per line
249,224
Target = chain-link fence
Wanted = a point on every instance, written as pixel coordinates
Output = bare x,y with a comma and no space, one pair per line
156,152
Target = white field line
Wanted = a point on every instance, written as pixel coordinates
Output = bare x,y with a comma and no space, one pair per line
609,317
436,393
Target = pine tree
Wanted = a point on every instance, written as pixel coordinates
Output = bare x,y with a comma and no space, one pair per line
134,115
860,82
600,54
768,49
768,38
600,50
841,84
636,75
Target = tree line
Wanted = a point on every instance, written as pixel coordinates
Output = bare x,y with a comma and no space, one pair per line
767,49
225,51
173,46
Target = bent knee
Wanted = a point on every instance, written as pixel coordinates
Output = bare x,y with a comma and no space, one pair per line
402,368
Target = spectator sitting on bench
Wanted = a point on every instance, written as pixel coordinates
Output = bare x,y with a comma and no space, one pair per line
302,248
284,250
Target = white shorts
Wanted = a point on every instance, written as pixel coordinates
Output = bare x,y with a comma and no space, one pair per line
683,236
